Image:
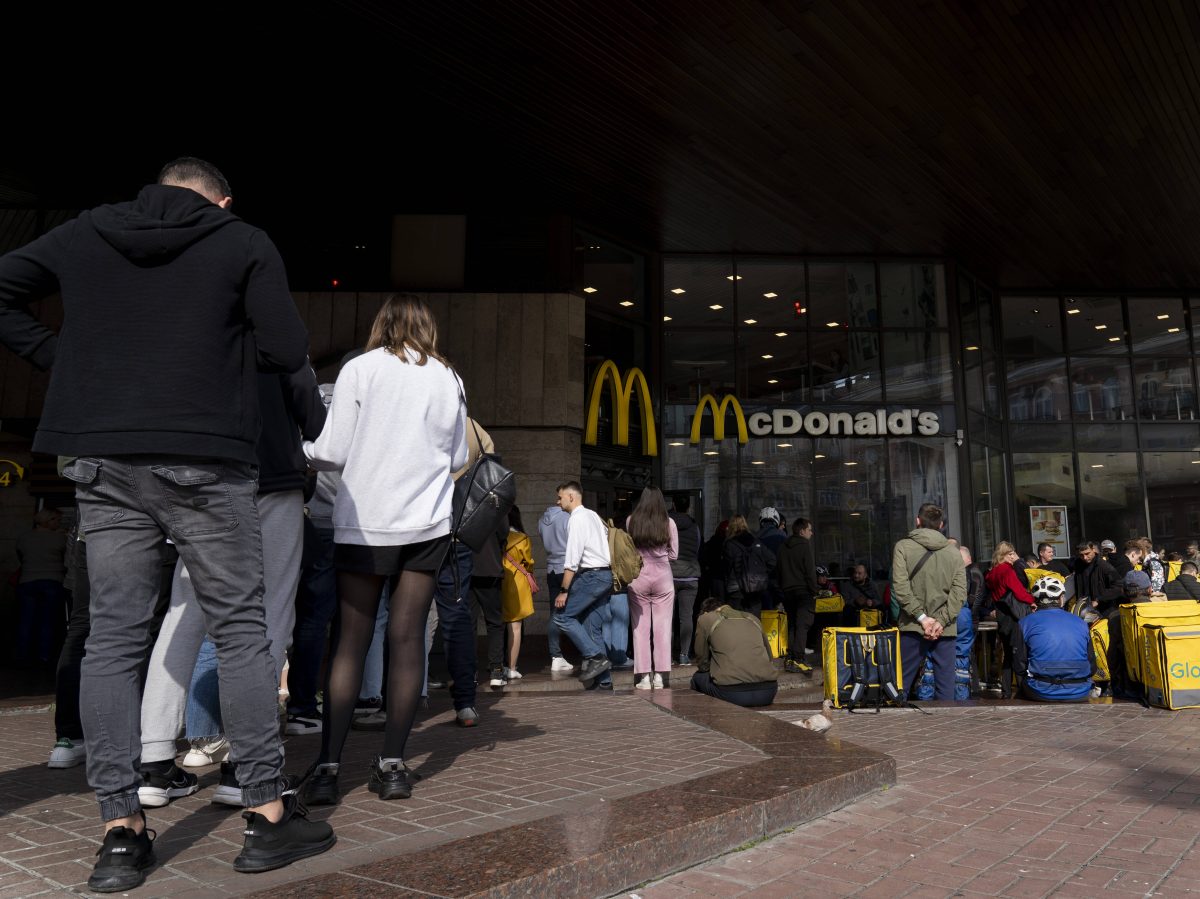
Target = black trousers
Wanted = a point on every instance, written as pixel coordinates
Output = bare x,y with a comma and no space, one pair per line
685,603
802,612
746,695
485,595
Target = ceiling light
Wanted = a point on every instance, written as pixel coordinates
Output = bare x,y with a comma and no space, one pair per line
589,290
710,452
1101,327
1098,465
850,463
625,303
758,463
733,277
674,444
970,348
852,481
1196,461
803,309
855,514
772,380
1114,340
767,356
831,324
770,294
1172,330
750,321
819,456
781,333
677,290
1072,312
788,446
666,318
716,307
1035,311
1161,317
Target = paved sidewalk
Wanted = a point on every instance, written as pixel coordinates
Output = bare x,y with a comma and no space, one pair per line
1072,801
533,756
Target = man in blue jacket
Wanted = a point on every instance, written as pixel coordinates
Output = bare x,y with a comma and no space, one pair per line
1054,656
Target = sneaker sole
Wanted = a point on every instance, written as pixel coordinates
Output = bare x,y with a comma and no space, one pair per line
224,795
299,730
156,797
202,759
269,861
390,791
64,763
127,879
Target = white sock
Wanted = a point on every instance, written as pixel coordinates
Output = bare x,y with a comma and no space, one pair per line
393,763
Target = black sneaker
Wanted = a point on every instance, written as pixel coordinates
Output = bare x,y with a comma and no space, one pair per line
158,789
593,667
269,846
391,781
124,857
299,725
367,706
321,788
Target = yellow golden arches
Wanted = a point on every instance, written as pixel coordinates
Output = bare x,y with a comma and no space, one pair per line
622,395
718,413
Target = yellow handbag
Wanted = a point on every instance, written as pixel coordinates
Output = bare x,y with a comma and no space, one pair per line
831,603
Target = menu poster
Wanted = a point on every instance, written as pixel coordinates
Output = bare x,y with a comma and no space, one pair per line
1048,524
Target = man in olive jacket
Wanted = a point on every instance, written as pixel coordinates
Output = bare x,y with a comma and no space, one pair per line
930,583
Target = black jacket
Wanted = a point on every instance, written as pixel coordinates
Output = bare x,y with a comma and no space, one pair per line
291,407
797,570
1099,582
1185,586
170,307
687,564
861,596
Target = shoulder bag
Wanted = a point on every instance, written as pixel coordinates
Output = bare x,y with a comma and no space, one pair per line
482,495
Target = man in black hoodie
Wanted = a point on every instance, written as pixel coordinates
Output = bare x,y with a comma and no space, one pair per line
170,304
685,572
798,578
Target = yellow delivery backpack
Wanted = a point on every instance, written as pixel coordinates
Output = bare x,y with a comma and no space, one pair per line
861,666
1098,633
1171,666
775,629
1135,615
828,602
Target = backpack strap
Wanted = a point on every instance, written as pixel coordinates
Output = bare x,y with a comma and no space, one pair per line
920,564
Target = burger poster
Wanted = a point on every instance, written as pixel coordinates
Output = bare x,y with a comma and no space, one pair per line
1048,524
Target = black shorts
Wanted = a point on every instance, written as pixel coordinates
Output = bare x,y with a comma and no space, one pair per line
427,555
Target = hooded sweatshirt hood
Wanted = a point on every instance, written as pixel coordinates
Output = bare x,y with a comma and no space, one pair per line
928,538
161,223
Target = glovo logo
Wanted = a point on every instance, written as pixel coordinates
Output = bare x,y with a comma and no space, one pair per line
622,396
708,401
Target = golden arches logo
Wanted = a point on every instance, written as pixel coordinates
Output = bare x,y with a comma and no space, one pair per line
718,412
622,396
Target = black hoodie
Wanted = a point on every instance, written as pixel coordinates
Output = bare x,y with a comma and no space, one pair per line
170,307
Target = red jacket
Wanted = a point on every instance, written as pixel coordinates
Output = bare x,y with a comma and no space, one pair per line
1002,579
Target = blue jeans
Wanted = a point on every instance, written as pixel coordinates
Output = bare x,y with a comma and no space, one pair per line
615,620
372,682
582,618
127,506
204,695
316,601
553,637
43,614
914,649
454,618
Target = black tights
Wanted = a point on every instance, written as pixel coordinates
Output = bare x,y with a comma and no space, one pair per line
358,603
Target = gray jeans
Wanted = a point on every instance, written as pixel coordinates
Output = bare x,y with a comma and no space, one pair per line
127,505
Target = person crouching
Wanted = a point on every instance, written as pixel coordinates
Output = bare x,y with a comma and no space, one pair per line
733,658
1053,657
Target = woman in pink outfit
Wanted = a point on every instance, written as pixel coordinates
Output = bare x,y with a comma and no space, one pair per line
652,593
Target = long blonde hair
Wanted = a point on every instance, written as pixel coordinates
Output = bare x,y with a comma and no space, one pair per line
406,322
737,525
1003,548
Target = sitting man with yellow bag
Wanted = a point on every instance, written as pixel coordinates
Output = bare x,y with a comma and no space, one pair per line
733,660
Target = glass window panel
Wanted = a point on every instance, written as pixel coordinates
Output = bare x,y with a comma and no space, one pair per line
1101,390
692,287
1031,326
851,519
1164,388
843,293
925,470
696,363
917,365
1173,492
845,367
1098,327
709,467
973,374
1042,436
1037,389
986,497
968,313
1194,302
991,385
1110,492
777,471
1171,437
1157,326
1106,437
615,276
768,292
987,332
1043,479
774,365
913,296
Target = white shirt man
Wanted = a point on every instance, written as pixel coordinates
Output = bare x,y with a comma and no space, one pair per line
586,585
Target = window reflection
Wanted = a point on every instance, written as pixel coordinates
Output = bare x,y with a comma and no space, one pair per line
1100,390
1173,492
842,294
917,366
698,362
772,293
852,522
1164,389
699,292
1031,326
845,366
1037,389
1043,479
914,296
1110,492
774,364
1098,326
1157,326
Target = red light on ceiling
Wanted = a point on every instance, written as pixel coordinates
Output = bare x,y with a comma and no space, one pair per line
335,282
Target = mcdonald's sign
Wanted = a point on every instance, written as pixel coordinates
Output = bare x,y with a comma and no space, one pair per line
718,412
622,396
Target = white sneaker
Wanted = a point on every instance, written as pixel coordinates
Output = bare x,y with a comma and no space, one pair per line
206,751
558,663
512,674
656,681
643,682
66,754
302,724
